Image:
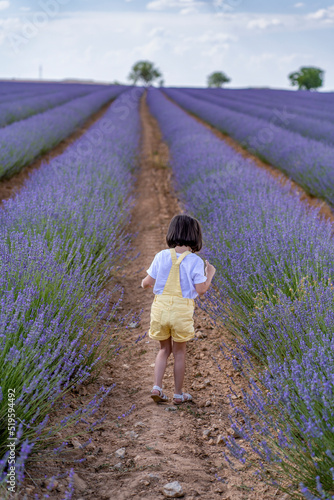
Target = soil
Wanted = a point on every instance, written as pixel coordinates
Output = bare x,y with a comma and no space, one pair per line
8,187
162,442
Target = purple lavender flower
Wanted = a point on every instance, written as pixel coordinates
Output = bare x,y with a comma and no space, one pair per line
307,161
22,141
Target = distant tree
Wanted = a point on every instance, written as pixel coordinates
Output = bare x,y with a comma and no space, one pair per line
307,78
217,79
145,71
161,82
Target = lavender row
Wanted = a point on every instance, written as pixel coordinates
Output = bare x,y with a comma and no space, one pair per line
274,290
306,98
22,142
28,90
24,94
61,238
19,109
303,103
308,162
321,130
313,100
16,89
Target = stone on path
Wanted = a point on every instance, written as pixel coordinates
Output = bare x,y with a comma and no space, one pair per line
220,439
173,490
206,434
76,443
131,434
134,324
153,477
79,483
120,453
140,424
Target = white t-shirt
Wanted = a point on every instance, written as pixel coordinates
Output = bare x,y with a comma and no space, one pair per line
191,272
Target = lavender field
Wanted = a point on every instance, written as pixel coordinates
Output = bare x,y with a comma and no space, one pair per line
24,140
274,291
65,234
300,146
61,238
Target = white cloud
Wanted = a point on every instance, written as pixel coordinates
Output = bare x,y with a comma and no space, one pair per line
222,5
282,62
289,58
158,31
4,4
215,50
259,59
208,44
263,23
213,38
25,9
299,5
185,6
325,15
185,48
188,10
7,27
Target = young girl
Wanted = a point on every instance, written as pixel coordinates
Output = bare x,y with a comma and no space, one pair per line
177,275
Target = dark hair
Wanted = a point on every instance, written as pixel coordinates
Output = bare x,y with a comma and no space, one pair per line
184,230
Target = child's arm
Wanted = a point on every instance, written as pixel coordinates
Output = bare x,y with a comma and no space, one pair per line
210,270
147,282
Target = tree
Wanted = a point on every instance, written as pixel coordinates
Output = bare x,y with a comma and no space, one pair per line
217,79
307,78
144,70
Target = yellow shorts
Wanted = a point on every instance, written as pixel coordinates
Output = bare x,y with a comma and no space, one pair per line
172,316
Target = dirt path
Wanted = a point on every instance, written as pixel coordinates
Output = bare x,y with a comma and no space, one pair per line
8,187
160,443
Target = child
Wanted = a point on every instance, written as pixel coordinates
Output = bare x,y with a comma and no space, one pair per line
177,275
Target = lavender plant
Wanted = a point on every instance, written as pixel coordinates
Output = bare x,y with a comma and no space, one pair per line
12,96
274,291
23,141
309,162
278,113
61,237
20,109
311,105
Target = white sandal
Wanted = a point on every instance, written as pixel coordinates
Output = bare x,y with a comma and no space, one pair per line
158,398
185,397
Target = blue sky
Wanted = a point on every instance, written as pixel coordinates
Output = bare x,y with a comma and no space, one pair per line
256,42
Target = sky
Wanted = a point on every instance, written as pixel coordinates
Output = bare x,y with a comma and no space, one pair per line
257,43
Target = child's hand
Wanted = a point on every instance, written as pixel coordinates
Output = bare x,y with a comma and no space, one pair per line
209,270
147,282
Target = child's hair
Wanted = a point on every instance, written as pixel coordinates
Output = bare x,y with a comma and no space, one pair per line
184,230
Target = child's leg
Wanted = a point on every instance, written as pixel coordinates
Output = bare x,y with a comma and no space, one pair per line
161,361
179,352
